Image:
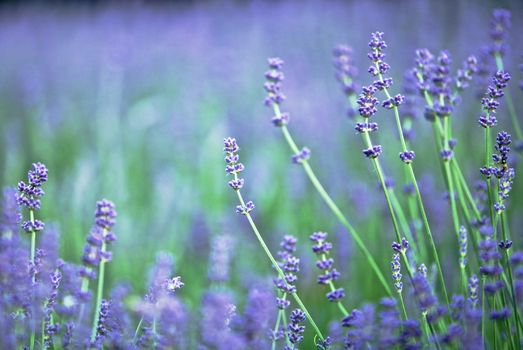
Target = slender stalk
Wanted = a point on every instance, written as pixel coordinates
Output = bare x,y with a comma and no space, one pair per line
33,279
138,328
276,327
276,266
418,196
509,101
99,294
334,208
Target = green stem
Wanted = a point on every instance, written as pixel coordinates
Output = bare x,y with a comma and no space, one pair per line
276,266
137,329
509,101
33,279
418,196
336,211
99,294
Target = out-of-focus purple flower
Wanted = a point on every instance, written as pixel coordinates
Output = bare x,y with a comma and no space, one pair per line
222,249
516,260
499,26
411,335
389,324
425,297
259,317
464,75
360,326
345,73
217,314
303,155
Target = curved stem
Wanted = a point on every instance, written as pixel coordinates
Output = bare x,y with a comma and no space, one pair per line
276,266
334,208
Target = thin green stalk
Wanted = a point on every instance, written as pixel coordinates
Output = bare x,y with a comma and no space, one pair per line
418,196
463,183
509,101
511,282
276,327
276,266
403,220
334,208
33,279
138,327
99,293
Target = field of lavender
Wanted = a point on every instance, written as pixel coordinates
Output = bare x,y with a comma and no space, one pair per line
370,199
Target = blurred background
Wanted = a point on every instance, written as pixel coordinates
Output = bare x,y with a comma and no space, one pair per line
130,101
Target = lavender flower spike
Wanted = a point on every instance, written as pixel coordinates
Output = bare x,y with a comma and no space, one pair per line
233,167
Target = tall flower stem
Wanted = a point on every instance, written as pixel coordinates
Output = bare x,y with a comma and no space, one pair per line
334,208
509,101
99,294
418,196
276,266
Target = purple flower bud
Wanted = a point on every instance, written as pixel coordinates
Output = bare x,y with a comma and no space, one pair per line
372,152
407,156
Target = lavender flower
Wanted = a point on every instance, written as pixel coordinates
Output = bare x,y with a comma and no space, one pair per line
322,249
345,73
464,75
359,323
499,26
222,248
463,247
290,266
490,102
259,315
389,324
396,272
295,329
516,260
30,194
275,96
233,167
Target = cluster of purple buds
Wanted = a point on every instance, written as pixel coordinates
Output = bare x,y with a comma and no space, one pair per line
446,154
273,86
30,194
101,233
427,301
322,249
295,329
395,265
490,267
290,266
365,127
464,75
401,247
407,156
441,84
233,167
490,102
392,102
377,44
373,151
303,155
505,244
102,327
367,102
473,287
51,328
274,78
463,242
423,71
499,26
